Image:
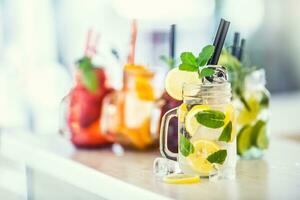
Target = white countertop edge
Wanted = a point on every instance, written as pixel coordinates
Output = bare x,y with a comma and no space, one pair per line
72,172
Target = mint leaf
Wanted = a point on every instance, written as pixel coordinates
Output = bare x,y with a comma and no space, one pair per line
205,55
185,146
264,102
226,133
206,72
187,67
88,76
90,80
217,157
211,118
85,63
169,61
188,58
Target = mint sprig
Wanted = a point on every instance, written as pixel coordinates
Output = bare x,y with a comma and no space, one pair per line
89,78
226,133
189,62
211,118
185,146
168,60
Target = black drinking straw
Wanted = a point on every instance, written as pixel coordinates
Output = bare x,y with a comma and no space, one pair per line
172,41
236,41
218,34
241,51
217,37
219,42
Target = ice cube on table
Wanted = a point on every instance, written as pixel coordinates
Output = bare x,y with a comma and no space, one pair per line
164,166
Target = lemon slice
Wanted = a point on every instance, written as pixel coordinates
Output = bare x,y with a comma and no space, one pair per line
181,179
198,161
247,116
175,80
181,112
191,123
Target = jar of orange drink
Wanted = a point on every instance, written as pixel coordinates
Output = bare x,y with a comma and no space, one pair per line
131,114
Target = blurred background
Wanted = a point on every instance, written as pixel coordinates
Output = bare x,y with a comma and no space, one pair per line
41,40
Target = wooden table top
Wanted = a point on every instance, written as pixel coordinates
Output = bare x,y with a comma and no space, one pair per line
100,171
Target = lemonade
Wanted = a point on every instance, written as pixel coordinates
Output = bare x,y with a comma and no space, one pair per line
207,131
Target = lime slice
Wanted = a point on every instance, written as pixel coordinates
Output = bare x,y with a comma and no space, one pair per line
175,80
261,138
198,161
181,179
244,139
191,123
247,116
181,112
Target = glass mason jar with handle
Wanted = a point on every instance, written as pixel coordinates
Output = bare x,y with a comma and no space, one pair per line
206,131
131,115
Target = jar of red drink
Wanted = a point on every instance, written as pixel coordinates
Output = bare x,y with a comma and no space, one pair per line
83,104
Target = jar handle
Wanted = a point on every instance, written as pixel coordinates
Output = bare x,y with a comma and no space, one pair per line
63,109
164,129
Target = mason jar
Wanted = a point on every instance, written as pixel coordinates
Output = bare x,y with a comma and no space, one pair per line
206,131
253,117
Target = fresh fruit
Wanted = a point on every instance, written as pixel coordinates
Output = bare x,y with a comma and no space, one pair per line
191,123
247,116
181,112
229,113
244,139
259,135
144,88
198,160
85,106
181,179
176,79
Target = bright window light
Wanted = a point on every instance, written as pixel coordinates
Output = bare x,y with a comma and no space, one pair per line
164,9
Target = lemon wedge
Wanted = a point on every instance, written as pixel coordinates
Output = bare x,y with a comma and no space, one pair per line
198,161
175,80
247,116
191,123
181,179
181,112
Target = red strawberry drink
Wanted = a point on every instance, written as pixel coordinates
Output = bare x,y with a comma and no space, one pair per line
85,103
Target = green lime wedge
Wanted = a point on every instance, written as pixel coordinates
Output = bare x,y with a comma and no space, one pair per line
259,135
255,130
262,140
244,139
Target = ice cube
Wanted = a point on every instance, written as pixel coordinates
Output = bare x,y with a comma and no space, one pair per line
220,75
117,149
164,166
